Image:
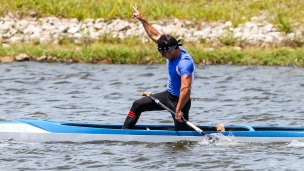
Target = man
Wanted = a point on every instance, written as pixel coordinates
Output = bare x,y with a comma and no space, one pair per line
181,69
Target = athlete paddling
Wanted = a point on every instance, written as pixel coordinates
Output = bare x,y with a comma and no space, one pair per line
181,70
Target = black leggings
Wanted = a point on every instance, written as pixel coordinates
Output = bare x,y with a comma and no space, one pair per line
147,104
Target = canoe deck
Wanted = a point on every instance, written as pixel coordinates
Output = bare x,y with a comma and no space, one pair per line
171,127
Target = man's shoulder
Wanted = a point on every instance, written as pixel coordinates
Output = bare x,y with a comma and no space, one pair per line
186,58
184,52
186,61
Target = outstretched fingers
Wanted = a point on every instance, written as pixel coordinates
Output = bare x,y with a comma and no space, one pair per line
135,7
136,13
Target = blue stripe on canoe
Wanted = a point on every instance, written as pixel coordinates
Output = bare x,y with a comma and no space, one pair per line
87,128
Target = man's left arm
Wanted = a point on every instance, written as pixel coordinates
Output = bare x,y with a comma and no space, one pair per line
186,69
184,96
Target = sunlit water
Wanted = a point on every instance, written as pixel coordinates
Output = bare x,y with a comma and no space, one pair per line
232,95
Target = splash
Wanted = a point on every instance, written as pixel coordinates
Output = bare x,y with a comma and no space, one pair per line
296,143
218,139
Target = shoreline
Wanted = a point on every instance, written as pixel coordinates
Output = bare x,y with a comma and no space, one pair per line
257,32
211,37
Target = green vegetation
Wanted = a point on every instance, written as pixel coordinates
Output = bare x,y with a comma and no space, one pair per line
282,13
136,52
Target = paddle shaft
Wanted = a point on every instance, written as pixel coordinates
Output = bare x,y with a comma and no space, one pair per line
173,114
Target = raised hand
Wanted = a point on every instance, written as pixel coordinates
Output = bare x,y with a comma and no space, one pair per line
136,13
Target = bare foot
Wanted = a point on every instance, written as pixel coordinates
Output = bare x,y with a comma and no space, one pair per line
220,127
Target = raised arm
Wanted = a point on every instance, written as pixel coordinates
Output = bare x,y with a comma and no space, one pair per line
150,30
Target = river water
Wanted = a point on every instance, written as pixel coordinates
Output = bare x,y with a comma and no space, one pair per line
232,95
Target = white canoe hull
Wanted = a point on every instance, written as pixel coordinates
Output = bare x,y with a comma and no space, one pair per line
48,131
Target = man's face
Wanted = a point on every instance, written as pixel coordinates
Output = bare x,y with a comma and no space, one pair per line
167,54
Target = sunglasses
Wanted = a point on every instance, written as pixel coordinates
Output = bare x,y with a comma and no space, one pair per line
164,50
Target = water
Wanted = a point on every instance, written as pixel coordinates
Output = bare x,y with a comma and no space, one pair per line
232,95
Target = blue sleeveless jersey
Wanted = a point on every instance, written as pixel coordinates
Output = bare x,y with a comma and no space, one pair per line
181,66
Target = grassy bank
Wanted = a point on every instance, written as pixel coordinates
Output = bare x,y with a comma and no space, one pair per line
284,14
132,52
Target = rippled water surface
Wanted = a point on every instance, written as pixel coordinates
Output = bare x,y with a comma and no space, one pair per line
232,95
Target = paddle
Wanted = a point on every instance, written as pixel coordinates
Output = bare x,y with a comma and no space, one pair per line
173,114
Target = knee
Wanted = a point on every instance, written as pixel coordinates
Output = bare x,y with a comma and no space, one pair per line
136,104
136,107
139,106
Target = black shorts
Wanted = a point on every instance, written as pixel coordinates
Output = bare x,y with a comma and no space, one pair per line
169,100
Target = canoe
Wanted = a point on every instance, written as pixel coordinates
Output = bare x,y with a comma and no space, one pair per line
51,131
